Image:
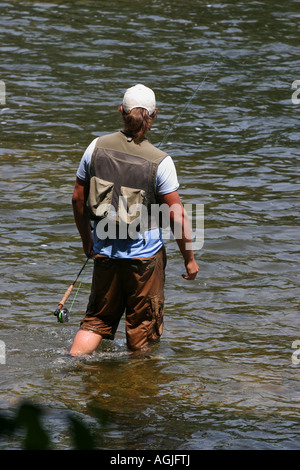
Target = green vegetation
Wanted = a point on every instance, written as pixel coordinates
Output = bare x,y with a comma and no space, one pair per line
27,424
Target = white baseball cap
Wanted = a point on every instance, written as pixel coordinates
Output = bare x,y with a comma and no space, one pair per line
139,96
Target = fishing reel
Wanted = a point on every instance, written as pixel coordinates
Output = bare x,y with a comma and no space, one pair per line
62,315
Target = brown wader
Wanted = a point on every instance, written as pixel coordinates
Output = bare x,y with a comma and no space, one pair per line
134,286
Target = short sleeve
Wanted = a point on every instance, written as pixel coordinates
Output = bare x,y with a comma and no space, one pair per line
83,171
166,178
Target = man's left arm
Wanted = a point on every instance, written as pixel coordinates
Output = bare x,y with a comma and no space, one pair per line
79,198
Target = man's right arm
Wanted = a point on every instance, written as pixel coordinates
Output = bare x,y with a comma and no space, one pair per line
180,226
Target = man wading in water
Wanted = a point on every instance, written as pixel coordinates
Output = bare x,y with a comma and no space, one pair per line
119,173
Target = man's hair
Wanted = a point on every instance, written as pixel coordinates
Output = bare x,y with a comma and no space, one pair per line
137,123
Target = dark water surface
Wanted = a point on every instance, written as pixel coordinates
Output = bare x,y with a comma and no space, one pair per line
223,375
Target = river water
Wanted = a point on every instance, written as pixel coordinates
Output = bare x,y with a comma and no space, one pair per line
224,375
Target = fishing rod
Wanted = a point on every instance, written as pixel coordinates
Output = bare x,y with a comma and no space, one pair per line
181,113
62,313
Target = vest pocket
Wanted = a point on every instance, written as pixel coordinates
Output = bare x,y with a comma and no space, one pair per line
132,206
100,197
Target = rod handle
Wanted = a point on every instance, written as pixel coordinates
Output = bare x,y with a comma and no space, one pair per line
65,297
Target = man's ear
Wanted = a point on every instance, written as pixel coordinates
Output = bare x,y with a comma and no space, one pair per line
153,115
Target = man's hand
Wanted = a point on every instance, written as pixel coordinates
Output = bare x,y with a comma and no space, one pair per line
192,269
87,246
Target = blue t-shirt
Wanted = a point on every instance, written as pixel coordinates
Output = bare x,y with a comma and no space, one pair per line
151,241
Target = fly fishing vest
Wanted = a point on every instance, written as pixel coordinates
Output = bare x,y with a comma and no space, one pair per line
122,181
